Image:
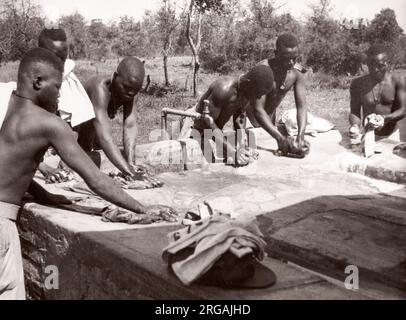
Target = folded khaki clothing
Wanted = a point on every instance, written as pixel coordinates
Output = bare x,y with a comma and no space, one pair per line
219,251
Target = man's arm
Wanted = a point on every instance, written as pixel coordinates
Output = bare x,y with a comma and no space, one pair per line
240,124
400,98
62,139
301,107
355,114
265,120
104,134
130,131
205,96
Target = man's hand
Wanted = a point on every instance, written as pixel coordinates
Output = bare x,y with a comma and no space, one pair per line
56,175
242,158
374,121
140,173
164,212
289,147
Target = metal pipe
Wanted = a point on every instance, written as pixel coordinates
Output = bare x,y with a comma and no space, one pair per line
190,114
194,115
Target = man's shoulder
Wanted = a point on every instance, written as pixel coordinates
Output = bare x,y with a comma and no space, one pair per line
225,87
264,62
398,79
96,83
358,82
98,90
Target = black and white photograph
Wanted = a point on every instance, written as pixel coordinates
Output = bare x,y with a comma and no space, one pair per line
220,151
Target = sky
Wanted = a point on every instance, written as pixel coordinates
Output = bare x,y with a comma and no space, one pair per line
110,10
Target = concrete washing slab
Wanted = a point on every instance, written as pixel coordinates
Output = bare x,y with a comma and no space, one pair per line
313,214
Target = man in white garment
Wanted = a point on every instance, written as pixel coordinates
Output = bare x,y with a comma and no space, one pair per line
74,105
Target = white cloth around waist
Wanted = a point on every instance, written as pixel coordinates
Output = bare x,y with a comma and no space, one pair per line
9,211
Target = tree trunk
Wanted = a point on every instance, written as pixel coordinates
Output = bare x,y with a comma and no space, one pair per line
166,69
195,47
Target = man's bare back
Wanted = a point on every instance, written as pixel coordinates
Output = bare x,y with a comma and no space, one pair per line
224,100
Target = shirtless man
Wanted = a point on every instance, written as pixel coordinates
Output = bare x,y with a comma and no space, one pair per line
74,105
380,92
30,127
288,74
107,96
228,98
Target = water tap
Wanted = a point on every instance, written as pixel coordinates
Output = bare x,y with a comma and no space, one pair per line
206,110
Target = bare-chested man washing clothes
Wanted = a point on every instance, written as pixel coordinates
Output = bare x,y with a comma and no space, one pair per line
30,127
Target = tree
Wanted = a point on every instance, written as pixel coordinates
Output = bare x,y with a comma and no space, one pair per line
20,24
199,7
167,23
384,27
97,40
75,27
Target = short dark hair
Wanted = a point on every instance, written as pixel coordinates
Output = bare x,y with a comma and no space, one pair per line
48,35
38,56
287,40
377,49
131,66
259,80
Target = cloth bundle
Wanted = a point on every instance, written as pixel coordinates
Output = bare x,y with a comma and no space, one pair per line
314,125
289,148
374,121
94,205
219,251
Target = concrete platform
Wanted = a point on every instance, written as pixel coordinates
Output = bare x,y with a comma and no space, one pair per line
312,213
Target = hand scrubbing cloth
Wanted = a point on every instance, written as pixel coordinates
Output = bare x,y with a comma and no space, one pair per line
221,251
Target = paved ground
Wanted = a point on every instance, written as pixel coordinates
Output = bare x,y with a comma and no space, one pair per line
311,212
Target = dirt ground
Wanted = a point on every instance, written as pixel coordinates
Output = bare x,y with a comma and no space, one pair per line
331,104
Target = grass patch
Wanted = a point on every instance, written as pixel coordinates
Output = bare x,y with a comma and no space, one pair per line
327,96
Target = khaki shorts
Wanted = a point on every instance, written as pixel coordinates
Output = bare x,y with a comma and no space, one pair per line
11,265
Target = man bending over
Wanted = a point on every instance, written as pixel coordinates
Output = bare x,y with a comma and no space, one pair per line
228,98
107,96
30,127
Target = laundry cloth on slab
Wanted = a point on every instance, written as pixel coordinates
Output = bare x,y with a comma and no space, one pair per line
314,124
193,251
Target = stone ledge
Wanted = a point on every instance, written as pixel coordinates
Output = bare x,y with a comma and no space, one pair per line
117,261
384,166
